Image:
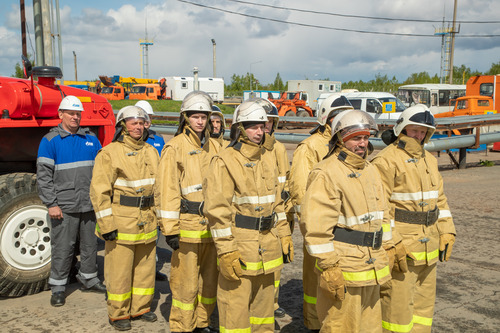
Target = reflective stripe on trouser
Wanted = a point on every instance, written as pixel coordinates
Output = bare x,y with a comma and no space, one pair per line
246,306
359,312
193,281
310,285
63,235
277,277
129,271
408,300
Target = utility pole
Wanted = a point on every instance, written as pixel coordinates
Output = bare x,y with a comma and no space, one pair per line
453,42
23,29
213,43
74,59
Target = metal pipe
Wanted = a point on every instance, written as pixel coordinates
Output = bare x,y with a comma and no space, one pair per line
213,43
23,28
452,42
59,45
74,59
37,18
47,33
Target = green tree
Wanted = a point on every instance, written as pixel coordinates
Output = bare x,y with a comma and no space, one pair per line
494,69
278,83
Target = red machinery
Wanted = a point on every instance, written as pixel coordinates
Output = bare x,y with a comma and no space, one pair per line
28,109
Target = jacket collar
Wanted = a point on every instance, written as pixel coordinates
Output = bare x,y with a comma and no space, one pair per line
249,149
350,159
63,133
131,142
411,146
269,141
194,139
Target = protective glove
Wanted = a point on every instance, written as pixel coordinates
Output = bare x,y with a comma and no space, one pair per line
172,241
287,246
332,281
397,258
110,236
446,242
230,265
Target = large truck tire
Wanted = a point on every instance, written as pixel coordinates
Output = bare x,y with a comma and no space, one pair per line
24,236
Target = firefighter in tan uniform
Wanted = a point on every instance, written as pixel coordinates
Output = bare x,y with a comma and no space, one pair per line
347,229
217,123
122,195
245,211
184,162
307,154
419,209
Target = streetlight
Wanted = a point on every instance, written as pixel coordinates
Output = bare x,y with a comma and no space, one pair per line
213,43
250,75
74,59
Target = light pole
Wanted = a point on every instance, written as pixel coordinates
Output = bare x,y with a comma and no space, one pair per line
74,59
250,74
213,43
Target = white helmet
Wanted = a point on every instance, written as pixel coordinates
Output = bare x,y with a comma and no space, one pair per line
416,115
197,101
270,108
71,103
331,106
131,111
352,123
145,106
249,111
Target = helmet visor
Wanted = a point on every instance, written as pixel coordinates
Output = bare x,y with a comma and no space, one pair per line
424,118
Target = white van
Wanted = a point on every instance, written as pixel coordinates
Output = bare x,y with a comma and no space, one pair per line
380,105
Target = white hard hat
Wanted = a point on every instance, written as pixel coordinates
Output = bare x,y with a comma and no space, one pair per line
416,115
353,122
197,101
71,103
145,106
131,111
249,111
331,106
269,107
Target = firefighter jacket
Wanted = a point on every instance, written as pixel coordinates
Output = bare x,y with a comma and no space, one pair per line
64,169
156,141
345,191
220,140
122,190
243,181
184,162
413,183
308,153
281,154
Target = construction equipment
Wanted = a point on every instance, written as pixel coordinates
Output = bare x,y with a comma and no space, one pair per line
151,91
122,86
29,109
292,103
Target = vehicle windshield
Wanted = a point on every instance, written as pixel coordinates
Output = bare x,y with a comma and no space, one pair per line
107,90
400,107
138,90
462,104
414,96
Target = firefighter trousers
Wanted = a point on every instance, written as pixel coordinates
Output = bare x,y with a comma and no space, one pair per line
63,236
193,281
408,300
129,272
277,277
246,305
310,281
359,312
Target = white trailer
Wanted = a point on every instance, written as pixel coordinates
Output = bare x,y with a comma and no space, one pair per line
179,86
314,88
261,93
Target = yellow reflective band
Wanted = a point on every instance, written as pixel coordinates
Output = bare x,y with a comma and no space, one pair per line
366,275
119,297
432,255
195,234
143,291
236,330
136,237
423,255
310,299
422,320
254,266
397,328
276,284
183,306
206,300
316,265
261,321
386,227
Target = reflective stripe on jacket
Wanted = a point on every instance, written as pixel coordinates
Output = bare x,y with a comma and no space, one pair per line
125,167
345,191
413,183
243,180
184,163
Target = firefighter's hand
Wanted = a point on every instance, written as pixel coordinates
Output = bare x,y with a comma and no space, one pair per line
230,265
446,242
55,213
110,236
332,281
172,241
397,258
287,247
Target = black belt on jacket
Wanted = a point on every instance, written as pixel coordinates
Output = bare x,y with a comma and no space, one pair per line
192,207
144,201
256,223
426,218
355,237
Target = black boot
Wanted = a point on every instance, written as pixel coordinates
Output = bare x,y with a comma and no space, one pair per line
121,325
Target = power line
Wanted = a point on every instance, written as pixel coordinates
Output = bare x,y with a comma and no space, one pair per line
356,16
324,27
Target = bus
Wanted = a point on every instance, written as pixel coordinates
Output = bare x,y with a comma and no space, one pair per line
438,97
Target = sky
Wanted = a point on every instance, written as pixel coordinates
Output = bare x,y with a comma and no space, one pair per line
105,36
